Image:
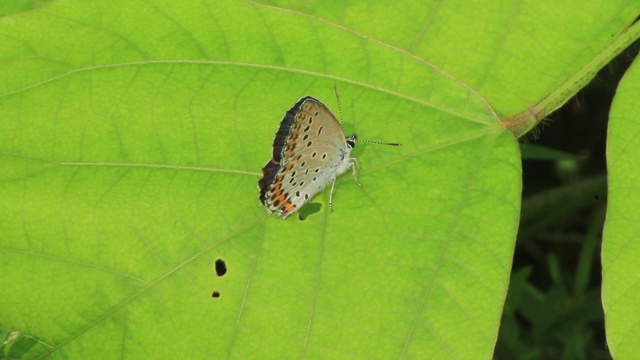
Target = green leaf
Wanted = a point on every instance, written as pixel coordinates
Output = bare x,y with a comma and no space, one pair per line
8,7
537,152
524,58
622,229
133,137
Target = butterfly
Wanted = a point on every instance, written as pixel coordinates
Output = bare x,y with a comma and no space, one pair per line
310,150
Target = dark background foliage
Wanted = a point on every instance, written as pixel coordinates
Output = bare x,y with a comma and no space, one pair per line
554,308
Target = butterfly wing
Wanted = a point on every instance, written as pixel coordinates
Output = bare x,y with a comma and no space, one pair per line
309,151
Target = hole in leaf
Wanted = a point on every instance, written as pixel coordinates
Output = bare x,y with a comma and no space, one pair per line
308,209
216,294
221,267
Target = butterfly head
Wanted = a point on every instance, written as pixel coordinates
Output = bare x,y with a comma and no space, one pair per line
351,141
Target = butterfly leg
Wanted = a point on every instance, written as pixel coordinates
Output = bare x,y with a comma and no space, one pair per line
353,164
333,184
354,167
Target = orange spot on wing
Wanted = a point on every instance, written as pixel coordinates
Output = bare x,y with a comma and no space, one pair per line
277,188
288,206
278,200
291,142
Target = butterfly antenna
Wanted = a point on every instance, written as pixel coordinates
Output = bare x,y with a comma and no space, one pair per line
380,143
335,88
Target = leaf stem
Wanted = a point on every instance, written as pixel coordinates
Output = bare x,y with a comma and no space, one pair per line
522,123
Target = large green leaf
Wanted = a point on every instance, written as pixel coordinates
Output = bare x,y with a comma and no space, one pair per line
134,132
8,7
621,243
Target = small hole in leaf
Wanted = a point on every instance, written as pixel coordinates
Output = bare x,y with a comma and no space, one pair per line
308,209
216,294
221,267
